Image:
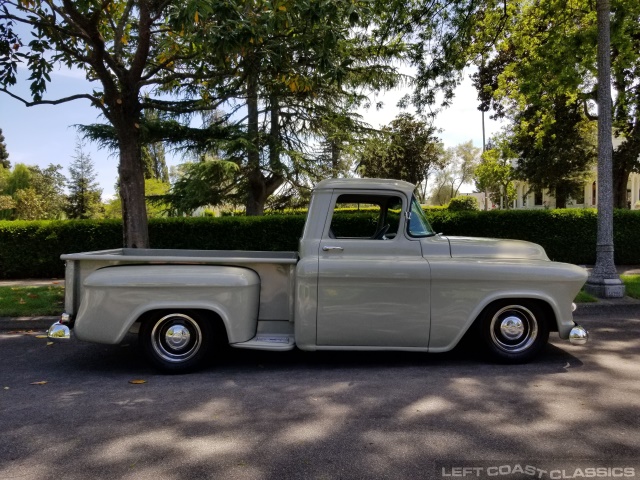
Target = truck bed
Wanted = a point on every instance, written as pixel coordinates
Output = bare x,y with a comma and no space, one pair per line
276,271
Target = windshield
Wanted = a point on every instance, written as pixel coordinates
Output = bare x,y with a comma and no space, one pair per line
418,224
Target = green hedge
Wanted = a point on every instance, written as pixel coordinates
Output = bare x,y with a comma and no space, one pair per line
568,235
33,249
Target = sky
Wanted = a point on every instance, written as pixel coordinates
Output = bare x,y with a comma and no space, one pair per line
45,134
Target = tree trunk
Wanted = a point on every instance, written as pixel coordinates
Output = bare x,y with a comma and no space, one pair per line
256,191
561,197
625,158
261,187
134,209
620,181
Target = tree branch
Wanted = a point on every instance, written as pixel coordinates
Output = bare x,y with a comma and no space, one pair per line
79,96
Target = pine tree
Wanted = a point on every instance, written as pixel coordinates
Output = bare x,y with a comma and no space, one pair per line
4,155
84,200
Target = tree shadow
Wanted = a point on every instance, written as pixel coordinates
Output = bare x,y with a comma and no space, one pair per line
330,414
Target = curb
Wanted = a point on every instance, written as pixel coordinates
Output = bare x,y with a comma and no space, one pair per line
609,307
26,323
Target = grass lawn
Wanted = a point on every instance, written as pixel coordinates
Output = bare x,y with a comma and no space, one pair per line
31,301
584,297
632,283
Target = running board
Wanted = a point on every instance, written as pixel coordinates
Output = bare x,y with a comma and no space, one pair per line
280,342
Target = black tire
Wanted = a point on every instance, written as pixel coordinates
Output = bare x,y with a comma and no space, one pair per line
514,331
176,341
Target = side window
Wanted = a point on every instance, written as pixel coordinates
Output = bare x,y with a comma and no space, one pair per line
373,217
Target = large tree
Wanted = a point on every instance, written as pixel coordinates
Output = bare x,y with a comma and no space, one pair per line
460,163
406,149
32,192
558,156
495,174
126,50
543,72
296,71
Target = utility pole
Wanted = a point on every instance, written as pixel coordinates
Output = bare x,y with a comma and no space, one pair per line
604,280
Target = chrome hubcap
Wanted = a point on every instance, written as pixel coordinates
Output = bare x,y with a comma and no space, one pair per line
176,337
514,329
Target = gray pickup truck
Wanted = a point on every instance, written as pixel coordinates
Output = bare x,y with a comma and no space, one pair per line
370,274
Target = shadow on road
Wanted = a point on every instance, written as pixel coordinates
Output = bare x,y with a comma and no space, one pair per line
319,415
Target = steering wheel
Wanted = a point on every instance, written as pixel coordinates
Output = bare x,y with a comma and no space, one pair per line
379,235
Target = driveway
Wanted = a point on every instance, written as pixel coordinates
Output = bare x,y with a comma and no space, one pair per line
259,415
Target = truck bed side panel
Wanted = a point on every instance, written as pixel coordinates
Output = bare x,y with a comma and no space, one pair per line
114,298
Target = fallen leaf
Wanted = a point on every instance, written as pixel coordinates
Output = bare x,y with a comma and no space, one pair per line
21,302
6,388
43,382
137,382
32,295
49,344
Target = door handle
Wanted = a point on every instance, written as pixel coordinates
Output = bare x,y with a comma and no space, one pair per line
331,249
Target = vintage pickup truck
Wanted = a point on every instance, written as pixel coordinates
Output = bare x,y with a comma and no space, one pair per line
370,274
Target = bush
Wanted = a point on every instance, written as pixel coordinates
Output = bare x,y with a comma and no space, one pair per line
33,249
568,235
463,204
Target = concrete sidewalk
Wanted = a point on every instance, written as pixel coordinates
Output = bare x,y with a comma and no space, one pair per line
603,306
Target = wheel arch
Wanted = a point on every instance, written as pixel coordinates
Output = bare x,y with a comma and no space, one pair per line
542,301
211,314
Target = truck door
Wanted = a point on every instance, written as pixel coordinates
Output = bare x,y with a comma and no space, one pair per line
373,283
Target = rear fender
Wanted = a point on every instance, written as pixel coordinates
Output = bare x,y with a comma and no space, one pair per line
114,298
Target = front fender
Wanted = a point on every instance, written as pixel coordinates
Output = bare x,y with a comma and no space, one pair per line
462,288
114,298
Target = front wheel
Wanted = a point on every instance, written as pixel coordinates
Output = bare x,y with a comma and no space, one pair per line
176,342
514,331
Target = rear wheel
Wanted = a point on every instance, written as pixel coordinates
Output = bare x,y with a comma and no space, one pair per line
176,342
514,331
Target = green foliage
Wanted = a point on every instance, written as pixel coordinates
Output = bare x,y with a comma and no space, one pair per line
300,70
33,249
558,156
407,149
568,235
84,199
31,192
19,179
459,164
4,154
463,203
156,193
542,75
495,175
208,181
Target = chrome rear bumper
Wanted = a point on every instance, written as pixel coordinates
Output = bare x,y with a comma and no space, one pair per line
62,328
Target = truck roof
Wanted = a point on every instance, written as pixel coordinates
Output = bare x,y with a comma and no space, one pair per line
365,184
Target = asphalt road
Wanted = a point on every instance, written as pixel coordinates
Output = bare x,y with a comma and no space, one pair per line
322,416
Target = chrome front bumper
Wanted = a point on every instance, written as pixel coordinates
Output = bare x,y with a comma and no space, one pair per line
578,335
